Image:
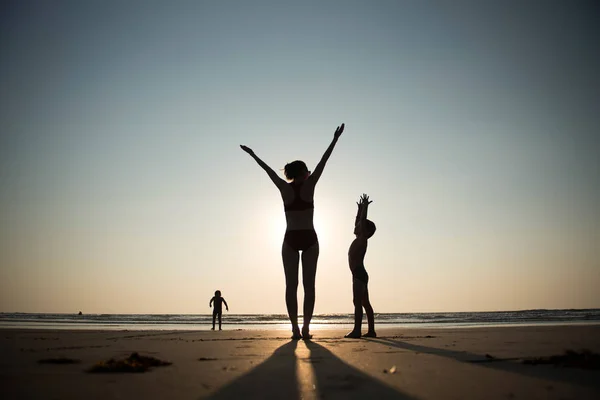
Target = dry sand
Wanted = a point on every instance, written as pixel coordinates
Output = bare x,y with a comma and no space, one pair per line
474,363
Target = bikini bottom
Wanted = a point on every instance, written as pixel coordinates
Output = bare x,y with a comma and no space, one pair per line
301,239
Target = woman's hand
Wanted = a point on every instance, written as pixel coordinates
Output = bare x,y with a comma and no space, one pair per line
247,149
338,131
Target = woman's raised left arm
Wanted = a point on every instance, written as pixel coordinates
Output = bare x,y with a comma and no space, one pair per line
316,174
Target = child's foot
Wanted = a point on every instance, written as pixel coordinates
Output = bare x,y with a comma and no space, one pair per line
306,334
220,329
353,335
370,334
212,329
296,334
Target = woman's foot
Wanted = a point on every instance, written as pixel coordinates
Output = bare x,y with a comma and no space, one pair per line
306,334
353,335
296,334
370,334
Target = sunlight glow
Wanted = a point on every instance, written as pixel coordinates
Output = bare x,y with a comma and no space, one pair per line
125,190
274,227
307,383
324,229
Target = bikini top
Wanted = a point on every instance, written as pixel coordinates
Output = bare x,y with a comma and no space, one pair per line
298,204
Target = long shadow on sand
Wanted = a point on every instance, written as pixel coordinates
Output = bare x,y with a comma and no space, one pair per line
277,378
548,373
336,379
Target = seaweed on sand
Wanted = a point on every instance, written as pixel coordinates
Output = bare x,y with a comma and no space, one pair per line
59,360
133,363
584,359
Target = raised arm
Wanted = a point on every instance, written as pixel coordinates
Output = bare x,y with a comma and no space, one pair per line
316,174
272,174
358,212
363,208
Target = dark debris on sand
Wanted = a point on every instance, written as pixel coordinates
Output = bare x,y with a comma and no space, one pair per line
133,363
59,360
584,359
207,359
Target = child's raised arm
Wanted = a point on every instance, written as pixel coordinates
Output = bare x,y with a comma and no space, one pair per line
364,205
358,212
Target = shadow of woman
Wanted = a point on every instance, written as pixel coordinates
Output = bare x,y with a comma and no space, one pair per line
275,378
278,378
336,379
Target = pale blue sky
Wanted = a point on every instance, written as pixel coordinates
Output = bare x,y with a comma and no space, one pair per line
474,126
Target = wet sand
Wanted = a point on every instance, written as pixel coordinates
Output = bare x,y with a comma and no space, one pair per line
466,363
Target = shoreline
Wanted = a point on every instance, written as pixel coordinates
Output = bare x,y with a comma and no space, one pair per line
401,363
273,326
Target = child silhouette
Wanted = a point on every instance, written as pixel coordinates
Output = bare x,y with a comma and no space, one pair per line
363,229
218,310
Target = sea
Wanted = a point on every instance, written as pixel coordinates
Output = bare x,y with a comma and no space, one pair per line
280,321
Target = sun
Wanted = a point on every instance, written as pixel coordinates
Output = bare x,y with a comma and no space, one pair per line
270,222
275,224
323,229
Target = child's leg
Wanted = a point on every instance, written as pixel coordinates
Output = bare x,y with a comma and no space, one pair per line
370,315
214,316
358,290
220,313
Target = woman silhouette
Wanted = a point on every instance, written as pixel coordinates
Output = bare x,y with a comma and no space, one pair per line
300,235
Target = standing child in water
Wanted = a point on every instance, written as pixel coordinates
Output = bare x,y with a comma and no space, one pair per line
363,229
218,310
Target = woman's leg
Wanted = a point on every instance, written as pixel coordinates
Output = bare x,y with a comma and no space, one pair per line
310,257
291,259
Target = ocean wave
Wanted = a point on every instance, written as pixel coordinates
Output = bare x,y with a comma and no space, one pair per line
399,319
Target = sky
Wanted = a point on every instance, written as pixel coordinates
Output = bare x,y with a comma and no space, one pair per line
473,126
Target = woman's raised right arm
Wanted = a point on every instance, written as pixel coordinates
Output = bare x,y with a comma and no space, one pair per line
272,174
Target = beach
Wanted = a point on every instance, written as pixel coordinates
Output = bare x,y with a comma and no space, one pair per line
402,363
